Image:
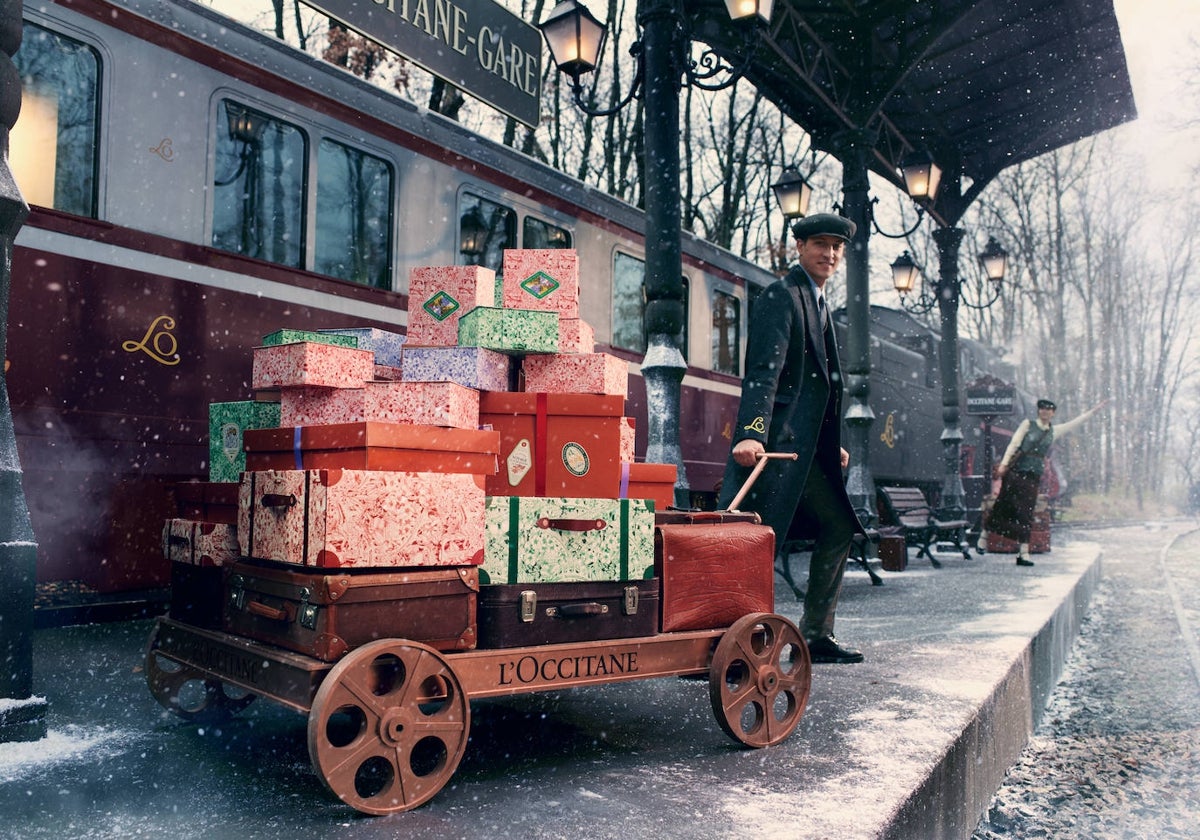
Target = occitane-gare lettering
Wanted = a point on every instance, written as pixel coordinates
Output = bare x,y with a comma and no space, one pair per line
448,23
532,669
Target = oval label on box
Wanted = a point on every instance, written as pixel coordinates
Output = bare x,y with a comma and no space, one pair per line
575,459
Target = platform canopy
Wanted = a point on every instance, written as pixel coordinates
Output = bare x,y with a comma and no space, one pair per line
980,84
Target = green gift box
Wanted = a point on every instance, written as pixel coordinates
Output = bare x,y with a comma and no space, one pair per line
226,422
509,330
294,336
533,539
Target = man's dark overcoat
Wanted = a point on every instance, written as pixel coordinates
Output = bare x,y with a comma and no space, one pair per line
791,402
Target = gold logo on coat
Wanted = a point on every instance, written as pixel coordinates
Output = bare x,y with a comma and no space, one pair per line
757,425
158,343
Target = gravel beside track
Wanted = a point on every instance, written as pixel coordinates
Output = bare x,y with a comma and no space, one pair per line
1117,754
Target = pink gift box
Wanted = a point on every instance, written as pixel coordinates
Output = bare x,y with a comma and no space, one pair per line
388,373
423,404
628,435
362,518
575,335
545,279
311,363
322,406
576,373
200,543
439,295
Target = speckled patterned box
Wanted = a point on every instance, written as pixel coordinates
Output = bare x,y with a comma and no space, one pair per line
322,406
361,518
509,330
200,543
546,279
226,422
424,404
292,336
558,539
472,367
628,437
387,346
438,296
576,335
311,363
577,373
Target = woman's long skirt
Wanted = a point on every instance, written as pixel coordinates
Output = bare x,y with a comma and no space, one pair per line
1012,515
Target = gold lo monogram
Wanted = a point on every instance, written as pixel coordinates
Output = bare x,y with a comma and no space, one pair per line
165,150
158,343
889,431
756,425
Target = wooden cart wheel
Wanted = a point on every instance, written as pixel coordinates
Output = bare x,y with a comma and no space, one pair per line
189,693
759,679
388,726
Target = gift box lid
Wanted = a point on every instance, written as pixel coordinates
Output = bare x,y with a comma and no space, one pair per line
372,434
295,336
578,405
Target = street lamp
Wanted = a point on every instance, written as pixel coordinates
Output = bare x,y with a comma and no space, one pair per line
792,193
473,235
904,273
993,259
665,64
922,177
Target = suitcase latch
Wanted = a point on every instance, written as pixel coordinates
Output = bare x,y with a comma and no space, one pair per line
631,600
237,595
528,606
306,613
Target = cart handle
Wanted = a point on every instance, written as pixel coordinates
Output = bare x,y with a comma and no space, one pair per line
758,468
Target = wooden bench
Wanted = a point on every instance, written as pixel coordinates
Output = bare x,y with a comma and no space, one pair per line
859,549
907,509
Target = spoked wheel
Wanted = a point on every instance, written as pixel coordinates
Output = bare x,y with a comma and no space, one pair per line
189,693
388,726
759,679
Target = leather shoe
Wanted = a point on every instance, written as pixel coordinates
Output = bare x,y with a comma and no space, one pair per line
827,650
1021,561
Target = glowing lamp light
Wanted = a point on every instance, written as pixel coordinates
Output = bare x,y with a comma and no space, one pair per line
792,193
904,273
994,260
33,146
921,176
743,9
574,36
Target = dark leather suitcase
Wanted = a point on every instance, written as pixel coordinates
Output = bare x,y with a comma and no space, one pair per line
324,615
714,570
893,552
521,614
677,516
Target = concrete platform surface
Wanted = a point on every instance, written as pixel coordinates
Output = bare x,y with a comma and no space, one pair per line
911,743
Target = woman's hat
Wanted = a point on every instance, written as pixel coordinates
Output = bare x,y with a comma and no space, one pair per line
1047,404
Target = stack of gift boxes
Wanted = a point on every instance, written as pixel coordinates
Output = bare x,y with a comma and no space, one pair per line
491,438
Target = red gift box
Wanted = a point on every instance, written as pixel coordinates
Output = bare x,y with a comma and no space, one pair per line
541,278
649,481
562,445
374,446
439,295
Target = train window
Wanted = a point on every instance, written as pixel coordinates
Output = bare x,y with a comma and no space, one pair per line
538,234
486,229
53,147
726,333
629,305
354,215
258,195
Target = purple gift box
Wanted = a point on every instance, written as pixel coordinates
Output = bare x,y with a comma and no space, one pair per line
471,367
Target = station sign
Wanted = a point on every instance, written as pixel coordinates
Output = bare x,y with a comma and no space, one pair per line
477,45
989,396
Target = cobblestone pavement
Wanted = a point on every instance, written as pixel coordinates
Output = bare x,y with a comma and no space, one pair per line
1117,754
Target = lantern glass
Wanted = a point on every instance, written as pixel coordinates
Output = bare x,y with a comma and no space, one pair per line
792,193
922,176
472,233
743,9
575,37
904,273
994,260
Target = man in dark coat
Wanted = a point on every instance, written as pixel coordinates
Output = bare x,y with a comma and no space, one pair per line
792,402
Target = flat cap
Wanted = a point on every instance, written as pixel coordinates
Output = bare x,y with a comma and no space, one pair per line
1047,404
824,224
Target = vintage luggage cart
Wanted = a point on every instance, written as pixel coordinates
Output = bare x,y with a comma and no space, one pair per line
388,722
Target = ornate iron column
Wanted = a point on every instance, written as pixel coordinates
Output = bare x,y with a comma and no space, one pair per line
853,148
24,719
663,367
948,240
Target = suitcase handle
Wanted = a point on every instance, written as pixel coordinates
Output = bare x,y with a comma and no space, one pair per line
581,610
175,539
279,500
260,609
572,524
763,457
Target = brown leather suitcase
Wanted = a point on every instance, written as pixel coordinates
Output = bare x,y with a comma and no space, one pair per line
713,574
893,552
520,614
324,615
677,516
